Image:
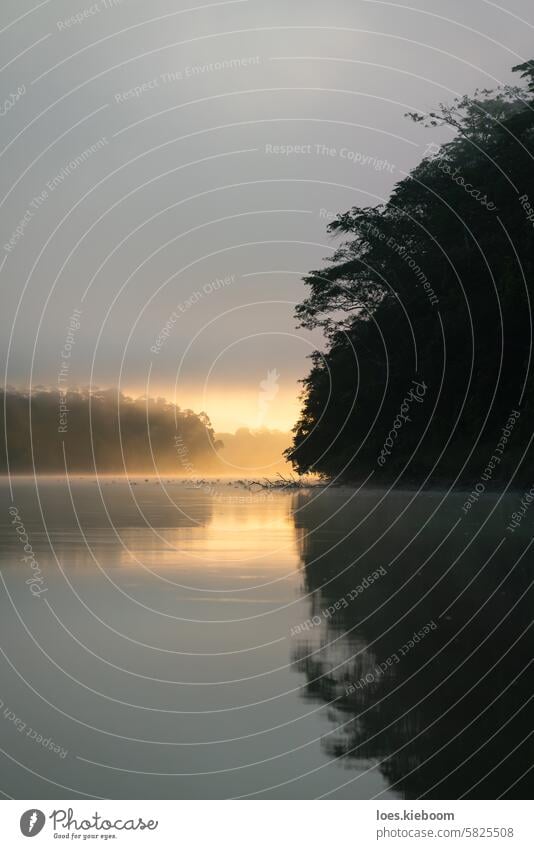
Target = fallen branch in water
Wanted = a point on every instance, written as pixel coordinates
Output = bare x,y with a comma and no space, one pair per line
280,482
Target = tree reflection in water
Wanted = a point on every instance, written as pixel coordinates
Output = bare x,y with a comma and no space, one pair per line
451,716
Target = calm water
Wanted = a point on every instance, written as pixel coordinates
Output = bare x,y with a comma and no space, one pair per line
199,643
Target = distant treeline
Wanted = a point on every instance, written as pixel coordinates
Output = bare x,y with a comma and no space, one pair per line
102,431
111,433
427,308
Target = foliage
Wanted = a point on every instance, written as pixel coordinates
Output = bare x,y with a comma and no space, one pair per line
102,431
434,285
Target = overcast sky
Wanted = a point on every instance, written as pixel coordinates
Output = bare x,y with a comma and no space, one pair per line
146,179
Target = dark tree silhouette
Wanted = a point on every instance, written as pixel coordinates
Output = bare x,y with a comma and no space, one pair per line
435,286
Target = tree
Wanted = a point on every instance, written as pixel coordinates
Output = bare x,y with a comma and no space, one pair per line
436,286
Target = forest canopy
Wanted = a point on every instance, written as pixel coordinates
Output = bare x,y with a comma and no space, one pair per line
432,289
102,431
107,432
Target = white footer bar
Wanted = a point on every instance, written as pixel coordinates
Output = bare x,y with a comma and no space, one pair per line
273,824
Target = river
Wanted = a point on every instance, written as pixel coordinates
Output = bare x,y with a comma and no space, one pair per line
164,640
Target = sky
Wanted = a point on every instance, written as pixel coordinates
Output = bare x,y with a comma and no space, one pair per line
169,171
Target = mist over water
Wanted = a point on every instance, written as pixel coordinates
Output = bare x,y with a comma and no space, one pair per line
195,644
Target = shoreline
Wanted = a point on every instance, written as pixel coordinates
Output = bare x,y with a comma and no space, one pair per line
493,488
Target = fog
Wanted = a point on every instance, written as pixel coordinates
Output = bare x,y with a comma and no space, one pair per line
162,162
107,432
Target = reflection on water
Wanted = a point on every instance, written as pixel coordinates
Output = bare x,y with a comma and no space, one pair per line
446,713
206,643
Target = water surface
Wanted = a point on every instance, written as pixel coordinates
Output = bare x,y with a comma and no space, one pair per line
210,642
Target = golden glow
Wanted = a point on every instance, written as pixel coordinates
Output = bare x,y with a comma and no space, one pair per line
228,538
255,432
231,408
